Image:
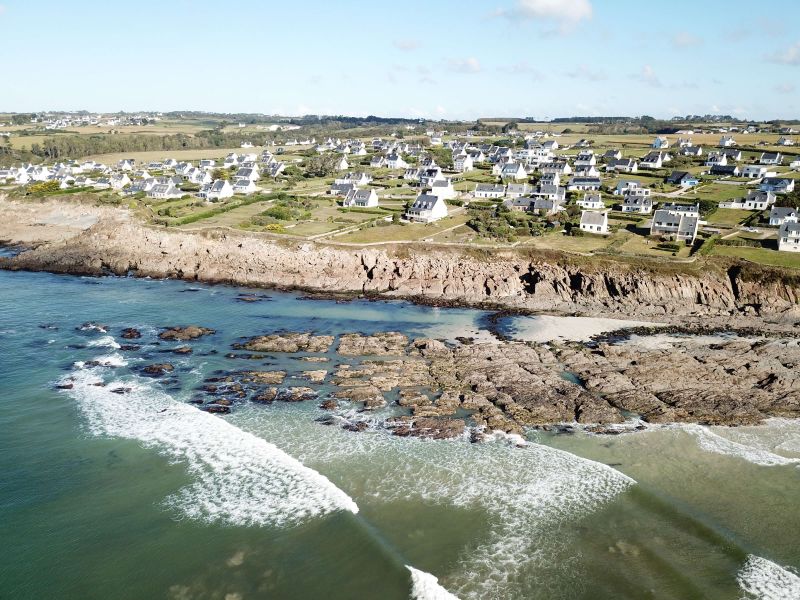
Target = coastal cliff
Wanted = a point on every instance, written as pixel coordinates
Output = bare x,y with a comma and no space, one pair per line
513,279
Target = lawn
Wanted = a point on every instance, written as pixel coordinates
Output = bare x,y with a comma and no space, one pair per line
760,255
727,216
402,233
146,157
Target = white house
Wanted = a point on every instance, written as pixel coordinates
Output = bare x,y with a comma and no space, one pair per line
594,221
654,160
785,141
584,184
517,190
779,185
489,190
770,158
250,173
726,141
244,186
638,202
623,165
361,198
755,171
427,209
780,214
755,200
591,201
585,158
463,163
514,170
395,161
164,191
341,164
378,162
682,225
443,188
717,159
119,181
219,190
789,236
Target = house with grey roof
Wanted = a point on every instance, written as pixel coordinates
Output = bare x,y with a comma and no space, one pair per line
361,198
593,221
427,209
489,190
676,222
789,236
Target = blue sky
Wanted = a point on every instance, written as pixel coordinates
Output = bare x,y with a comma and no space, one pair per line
442,59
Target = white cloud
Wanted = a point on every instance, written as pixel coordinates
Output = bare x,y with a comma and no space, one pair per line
684,39
784,88
587,74
407,45
566,14
789,56
648,76
464,65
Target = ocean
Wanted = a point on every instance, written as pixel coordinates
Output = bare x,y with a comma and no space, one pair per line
127,490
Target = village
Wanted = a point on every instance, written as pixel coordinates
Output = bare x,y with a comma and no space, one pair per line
723,190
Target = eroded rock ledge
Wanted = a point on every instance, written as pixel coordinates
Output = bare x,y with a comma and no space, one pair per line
433,389
535,281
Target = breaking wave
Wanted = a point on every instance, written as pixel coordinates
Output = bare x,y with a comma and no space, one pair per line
753,452
526,492
239,479
762,579
425,586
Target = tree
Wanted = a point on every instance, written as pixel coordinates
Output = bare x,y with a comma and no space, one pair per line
221,174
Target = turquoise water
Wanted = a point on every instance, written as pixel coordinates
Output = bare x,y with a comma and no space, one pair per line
142,495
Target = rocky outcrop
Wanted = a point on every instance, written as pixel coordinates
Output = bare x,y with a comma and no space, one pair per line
513,279
287,342
683,379
184,334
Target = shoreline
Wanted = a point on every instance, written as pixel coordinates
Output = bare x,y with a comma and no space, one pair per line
111,241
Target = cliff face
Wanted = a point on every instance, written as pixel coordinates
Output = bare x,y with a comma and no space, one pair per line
505,278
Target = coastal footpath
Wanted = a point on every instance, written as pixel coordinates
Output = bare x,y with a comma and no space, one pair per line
102,241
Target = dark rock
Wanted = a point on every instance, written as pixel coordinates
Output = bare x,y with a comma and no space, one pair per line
267,396
296,394
158,369
129,347
216,409
131,333
356,427
329,404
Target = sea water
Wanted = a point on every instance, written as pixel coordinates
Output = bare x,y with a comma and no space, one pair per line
142,495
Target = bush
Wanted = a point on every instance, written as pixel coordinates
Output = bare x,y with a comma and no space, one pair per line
668,246
44,187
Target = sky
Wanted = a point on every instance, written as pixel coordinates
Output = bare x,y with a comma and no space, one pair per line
446,59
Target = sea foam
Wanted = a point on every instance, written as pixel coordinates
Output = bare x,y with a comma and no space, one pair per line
425,586
756,454
238,478
525,492
104,342
762,579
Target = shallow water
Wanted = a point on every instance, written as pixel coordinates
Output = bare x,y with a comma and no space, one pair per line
141,495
